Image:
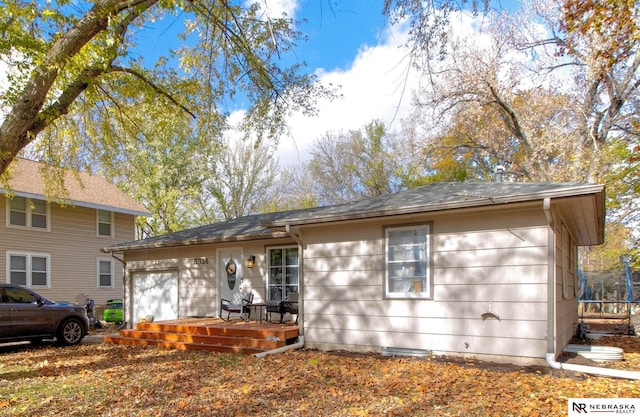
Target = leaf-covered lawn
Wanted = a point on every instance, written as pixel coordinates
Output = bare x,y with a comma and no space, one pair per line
112,380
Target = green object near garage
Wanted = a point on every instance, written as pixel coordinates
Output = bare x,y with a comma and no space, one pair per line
113,312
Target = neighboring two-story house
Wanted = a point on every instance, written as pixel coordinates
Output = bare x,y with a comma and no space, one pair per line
52,243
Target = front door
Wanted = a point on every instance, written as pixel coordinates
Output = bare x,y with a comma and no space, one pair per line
230,275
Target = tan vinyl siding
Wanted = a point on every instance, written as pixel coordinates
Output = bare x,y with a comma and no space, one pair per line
490,260
74,249
197,284
565,269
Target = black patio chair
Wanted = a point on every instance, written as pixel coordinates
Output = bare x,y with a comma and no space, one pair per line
243,308
290,305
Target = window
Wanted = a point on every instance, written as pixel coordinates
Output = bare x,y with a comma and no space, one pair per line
105,273
105,223
408,262
283,272
20,295
28,269
28,212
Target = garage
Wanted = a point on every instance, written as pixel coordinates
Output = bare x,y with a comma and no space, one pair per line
155,294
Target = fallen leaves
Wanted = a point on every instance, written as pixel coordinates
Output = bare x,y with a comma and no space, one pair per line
113,380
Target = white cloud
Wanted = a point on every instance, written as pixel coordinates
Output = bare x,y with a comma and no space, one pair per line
276,8
377,85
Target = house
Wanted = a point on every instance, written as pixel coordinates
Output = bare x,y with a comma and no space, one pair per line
53,244
482,269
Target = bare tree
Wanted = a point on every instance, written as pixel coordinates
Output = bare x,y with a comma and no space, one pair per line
239,179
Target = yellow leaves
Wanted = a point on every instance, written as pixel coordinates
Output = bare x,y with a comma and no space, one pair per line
150,382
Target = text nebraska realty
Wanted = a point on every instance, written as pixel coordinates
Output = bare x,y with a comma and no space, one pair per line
604,408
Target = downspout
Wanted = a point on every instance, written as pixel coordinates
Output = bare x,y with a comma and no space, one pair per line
296,345
301,246
551,322
294,236
300,342
551,279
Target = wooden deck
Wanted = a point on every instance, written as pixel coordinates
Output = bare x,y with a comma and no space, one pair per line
210,334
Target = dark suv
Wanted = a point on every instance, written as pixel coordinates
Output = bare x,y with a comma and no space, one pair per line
26,315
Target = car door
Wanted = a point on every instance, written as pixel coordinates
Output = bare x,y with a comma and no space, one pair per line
26,312
5,315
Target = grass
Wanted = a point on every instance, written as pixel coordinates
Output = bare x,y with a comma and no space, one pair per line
112,380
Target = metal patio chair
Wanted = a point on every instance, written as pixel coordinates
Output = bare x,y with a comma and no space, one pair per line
243,308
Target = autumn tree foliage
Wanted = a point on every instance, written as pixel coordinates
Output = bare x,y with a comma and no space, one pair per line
349,166
67,60
550,92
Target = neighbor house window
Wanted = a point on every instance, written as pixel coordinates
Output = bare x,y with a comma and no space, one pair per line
29,269
28,212
105,273
283,272
105,223
408,262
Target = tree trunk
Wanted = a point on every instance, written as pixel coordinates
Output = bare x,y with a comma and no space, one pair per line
27,118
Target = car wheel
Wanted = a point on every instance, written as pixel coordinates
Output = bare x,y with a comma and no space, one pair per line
70,333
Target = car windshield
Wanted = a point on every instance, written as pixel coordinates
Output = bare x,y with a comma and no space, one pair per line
20,295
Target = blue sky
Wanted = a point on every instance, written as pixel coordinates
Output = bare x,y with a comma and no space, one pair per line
338,29
349,44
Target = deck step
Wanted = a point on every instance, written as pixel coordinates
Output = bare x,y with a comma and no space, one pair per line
209,335
182,345
255,342
287,332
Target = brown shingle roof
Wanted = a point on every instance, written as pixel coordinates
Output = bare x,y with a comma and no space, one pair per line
28,179
428,198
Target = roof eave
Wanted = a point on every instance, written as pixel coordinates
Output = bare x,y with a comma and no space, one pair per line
76,203
195,241
476,202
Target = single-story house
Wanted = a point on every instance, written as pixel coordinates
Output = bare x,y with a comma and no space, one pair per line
482,269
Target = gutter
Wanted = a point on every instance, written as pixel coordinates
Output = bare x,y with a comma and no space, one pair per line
551,322
473,201
297,345
293,235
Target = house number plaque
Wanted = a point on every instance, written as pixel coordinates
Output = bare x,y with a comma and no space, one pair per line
200,261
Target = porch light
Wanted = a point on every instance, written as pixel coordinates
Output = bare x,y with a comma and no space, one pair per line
251,261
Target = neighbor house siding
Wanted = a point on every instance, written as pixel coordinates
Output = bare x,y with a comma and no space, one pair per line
74,248
485,260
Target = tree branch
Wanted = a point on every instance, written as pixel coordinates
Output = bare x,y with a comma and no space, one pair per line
155,88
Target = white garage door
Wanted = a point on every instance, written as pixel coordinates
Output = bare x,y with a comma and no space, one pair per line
156,294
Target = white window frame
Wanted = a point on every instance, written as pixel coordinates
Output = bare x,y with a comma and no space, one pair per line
29,214
111,224
285,266
29,271
98,271
408,264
